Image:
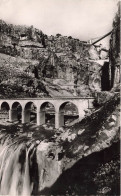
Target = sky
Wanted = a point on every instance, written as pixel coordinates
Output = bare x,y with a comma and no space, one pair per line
83,19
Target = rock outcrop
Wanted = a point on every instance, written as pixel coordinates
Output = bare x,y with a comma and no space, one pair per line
18,40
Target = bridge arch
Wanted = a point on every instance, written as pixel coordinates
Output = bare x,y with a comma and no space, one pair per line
15,112
68,110
4,110
29,112
5,105
46,113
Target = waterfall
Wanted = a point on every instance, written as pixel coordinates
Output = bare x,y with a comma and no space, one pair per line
27,187
27,165
15,162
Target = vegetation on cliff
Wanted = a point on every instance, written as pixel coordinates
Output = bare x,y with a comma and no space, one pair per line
16,82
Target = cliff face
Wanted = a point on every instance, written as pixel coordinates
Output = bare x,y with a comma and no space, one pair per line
18,40
63,65
115,50
60,61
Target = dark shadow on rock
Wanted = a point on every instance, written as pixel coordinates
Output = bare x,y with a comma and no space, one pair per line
105,78
79,179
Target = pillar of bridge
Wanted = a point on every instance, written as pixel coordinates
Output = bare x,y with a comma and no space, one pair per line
23,116
42,117
38,117
26,115
10,115
13,115
59,119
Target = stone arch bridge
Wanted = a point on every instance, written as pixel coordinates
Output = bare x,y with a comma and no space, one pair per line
81,104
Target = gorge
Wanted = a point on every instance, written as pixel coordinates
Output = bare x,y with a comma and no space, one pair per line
80,157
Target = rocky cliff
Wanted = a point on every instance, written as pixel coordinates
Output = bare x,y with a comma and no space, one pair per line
63,65
115,50
18,40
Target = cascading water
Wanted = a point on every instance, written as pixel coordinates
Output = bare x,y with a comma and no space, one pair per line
29,160
15,166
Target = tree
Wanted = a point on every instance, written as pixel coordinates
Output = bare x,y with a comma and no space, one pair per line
58,35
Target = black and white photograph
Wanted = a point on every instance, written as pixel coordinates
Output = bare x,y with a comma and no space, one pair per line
60,97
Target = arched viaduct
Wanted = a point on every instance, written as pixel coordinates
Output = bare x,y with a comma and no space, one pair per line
26,107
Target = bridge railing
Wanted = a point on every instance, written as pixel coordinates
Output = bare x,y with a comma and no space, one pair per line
45,98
